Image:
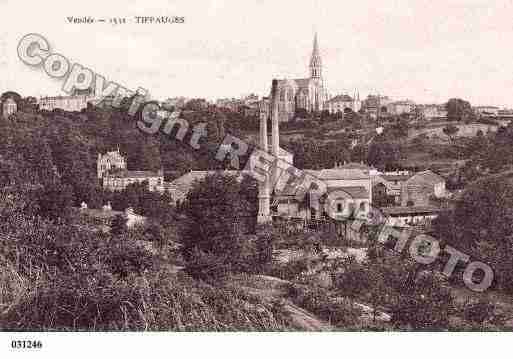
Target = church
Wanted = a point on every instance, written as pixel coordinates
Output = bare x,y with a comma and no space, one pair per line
308,93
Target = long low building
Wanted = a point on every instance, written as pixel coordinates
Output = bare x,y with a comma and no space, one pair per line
410,216
65,103
119,180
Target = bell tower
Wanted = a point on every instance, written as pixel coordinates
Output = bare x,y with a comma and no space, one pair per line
315,61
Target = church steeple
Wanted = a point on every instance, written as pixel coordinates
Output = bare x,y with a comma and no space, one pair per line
315,61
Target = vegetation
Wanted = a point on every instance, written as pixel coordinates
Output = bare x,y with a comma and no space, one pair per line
177,271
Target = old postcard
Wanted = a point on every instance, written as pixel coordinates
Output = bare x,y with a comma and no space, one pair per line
254,166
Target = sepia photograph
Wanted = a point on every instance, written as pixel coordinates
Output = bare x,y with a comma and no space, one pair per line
219,172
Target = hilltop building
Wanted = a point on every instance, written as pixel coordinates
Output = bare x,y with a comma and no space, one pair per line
342,102
9,103
487,111
304,93
433,112
399,107
376,105
76,102
9,107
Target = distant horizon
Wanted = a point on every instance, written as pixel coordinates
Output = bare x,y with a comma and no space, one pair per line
226,49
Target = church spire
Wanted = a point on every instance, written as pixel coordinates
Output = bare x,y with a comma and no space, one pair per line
315,61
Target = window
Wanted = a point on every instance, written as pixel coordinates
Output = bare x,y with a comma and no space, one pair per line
339,207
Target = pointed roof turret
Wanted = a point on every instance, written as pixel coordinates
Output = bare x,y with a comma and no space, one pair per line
315,60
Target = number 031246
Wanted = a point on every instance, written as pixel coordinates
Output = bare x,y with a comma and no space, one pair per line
26,344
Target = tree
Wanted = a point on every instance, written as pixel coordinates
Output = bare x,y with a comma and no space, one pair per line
55,201
480,225
459,110
212,236
359,153
118,225
301,113
383,153
426,306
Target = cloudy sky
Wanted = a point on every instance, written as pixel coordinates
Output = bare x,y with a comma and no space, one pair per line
423,50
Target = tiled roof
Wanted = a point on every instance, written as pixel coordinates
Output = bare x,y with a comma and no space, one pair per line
134,174
395,178
342,174
343,98
300,83
356,192
100,213
427,176
303,82
353,165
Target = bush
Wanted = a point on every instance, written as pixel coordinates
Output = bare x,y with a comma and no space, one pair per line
216,211
290,270
426,307
161,301
337,311
479,311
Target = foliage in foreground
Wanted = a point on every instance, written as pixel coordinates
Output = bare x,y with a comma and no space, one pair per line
158,301
56,276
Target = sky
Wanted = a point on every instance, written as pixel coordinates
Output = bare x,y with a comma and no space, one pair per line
426,51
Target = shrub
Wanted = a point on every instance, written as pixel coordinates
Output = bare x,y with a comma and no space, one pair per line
338,311
290,270
160,301
479,311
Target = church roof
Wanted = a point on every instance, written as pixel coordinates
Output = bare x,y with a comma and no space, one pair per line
299,83
315,60
303,82
341,98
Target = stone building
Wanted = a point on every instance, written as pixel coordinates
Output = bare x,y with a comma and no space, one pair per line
65,103
9,107
399,107
342,102
422,188
101,219
112,171
308,93
410,216
110,161
120,179
9,103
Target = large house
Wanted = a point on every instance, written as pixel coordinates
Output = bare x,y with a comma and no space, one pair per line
487,111
9,103
112,171
342,102
376,105
101,219
422,188
433,112
348,191
399,107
